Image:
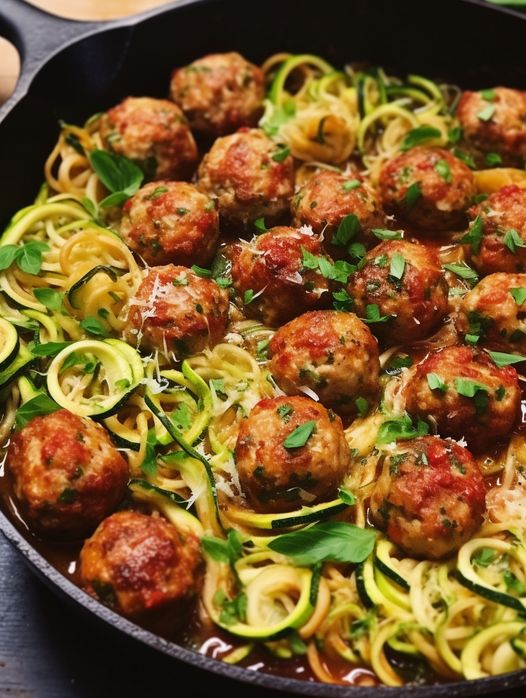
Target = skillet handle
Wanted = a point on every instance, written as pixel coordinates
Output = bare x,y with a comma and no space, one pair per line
36,35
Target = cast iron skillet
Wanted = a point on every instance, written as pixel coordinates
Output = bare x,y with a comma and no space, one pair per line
73,69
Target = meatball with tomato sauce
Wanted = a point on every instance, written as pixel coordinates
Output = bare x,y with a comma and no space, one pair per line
176,311
494,121
401,290
430,497
499,232
428,188
271,278
463,394
171,223
219,93
67,474
249,177
494,313
332,353
140,565
328,198
152,132
290,452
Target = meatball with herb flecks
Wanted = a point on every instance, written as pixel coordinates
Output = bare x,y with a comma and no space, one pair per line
276,275
219,93
175,311
430,497
141,565
428,188
171,223
400,291
330,197
249,177
498,232
462,393
494,121
331,353
493,313
290,452
67,474
153,133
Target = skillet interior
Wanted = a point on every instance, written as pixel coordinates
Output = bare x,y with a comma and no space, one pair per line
481,46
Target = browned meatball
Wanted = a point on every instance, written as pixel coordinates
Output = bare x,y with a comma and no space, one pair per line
139,565
219,93
171,222
270,277
430,497
402,284
67,474
327,198
429,188
249,177
463,394
175,310
278,477
494,313
332,353
494,120
154,133
501,222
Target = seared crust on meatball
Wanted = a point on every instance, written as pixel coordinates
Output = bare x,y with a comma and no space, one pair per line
171,223
429,188
495,121
154,133
270,270
494,312
67,474
503,219
328,197
275,478
330,352
430,497
414,304
175,310
139,564
219,93
248,178
471,398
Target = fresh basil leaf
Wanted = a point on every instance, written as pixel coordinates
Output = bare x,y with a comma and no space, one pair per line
493,159
262,349
512,240
382,234
333,541
455,135
8,255
300,435
94,326
38,406
401,429
115,199
419,135
519,294
221,550
487,112
484,557
259,224
413,194
351,184
397,266
489,94
443,169
50,298
248,296
347,230
201,271
463,271
347,496
282,154
501,359
49,348
362,406
436,382
373,315
468,387
466,158
29,256
116,172
474,235
342,300
90,206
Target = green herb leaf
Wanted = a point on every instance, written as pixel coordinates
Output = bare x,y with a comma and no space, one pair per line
362,406
489,94
493,159
347,496
372,314
49,348
36,407
347,230
90,206
485,557
463,271
49,297
285,412
342,300
259,224
436,382
455,135
201,271
281,154
248,296
115,199
443,169
412,195
262,349
469,388
29,256
397,266
519,294
487,112
228,550
419,135
474,235
8,255
466,158
512,240
401,429
382,234
502,359
117,173
94,326
300,435
351,184
333,541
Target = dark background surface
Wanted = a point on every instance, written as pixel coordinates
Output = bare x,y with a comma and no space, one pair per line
48,650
